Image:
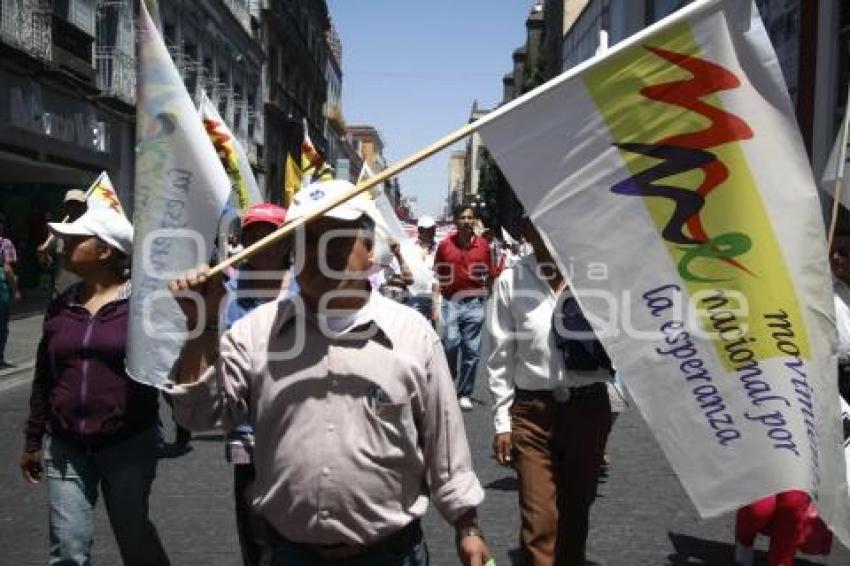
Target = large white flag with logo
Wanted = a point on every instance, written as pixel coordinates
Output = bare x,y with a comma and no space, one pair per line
669,176
180,192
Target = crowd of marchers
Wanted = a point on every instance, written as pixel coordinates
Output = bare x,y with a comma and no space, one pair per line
339,366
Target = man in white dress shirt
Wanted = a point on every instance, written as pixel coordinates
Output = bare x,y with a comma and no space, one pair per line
551,422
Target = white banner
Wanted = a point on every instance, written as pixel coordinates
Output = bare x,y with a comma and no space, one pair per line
180,192
670,181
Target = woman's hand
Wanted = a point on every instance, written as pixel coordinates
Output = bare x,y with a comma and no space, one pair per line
31,466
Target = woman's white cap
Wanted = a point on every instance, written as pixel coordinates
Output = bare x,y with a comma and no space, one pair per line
106,224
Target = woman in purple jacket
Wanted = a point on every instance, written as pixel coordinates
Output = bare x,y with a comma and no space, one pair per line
90,425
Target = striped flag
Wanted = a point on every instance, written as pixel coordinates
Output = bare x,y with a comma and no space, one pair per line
232,155
313,166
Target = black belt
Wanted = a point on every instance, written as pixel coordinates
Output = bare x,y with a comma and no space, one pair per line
576,393
398,542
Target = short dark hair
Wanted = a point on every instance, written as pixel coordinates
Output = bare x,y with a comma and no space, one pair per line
367,224
461,208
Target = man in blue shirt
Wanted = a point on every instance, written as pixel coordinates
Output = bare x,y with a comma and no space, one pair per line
261,278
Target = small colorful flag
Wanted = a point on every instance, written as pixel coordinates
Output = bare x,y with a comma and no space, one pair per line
313,165
101,194
232,155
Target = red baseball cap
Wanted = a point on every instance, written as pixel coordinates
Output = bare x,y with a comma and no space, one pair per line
265,212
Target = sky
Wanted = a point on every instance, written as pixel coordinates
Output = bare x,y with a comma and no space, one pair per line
412,69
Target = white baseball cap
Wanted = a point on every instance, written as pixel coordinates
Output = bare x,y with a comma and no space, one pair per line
318,193
75,195
106,224
426,222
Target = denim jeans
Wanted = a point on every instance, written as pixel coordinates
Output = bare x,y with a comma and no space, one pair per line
124,471
4,326
462,321
288,554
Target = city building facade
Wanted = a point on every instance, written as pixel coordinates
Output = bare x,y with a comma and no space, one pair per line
66,112
216,48
295,83
457,176
473,157
332,111
369,146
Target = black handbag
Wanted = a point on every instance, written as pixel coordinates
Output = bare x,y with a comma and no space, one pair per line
576,339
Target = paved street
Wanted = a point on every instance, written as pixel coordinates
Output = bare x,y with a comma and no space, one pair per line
641,518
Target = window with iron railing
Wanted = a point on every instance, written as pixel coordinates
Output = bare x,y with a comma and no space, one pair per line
116,73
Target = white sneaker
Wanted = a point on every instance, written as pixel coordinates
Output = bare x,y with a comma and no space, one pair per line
465,403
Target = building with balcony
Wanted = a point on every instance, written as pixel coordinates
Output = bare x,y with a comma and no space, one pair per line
217,49
472,160
369,145
811,39
332,111
295,84
67,71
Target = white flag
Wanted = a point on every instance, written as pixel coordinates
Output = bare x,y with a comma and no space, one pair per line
838,167
180,192
670,176
101,194
232,155
390,228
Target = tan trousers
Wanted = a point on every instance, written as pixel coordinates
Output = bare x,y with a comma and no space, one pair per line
558,450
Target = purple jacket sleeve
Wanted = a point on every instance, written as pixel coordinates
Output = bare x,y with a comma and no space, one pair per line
41,384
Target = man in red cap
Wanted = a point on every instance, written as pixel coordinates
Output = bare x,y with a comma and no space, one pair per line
261,278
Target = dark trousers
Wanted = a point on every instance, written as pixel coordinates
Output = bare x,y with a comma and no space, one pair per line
249,524
407,547
558,451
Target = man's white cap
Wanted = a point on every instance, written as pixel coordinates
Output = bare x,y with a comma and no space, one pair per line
106,224
426,222
316,194
75,195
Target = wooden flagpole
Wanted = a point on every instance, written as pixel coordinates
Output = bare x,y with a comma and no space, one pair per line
361,187
439,145
839,175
